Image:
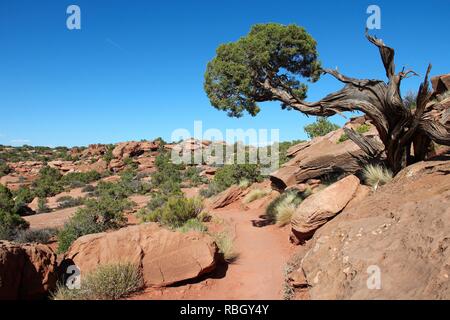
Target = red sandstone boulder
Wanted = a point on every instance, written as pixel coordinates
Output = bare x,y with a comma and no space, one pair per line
232,194
27,271
322,206
165,257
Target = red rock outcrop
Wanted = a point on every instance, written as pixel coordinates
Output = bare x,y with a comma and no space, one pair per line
393,244
322,156
27,271
165,257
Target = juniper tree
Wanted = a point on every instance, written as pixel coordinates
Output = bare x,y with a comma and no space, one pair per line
268,63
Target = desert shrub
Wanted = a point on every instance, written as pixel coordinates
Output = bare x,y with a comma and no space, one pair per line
285,211
176,211
255,194
211,190
39,236
69,202
110,189
6,199
232,174
130,180
42,206
193,225
10,224
107,282
166,171
321,127
98,215
80,179
192,174
376,175
22,198
108,156
225,243
244,184
4,168
88,188
288,197
48,183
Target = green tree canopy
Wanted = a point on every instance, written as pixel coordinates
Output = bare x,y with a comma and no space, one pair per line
321,127
248,71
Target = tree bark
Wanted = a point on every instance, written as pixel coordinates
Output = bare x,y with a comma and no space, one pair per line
406,134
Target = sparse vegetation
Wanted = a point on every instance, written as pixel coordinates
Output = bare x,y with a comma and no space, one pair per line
107,282
283,204
244,184
225,243
39,236
175,212
98,215
193,225
376,175
232,174
360,129
69,202
285,211
255,194
42,206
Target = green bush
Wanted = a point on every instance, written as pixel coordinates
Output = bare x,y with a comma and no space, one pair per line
42,206
98,215
107,282
10,224
175,212
192,174
22,198
4,168
321,127
6,199
48,183
232,174
80,179
130,181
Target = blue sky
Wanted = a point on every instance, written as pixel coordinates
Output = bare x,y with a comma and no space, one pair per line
135,69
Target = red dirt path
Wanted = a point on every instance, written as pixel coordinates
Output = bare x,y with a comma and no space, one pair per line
256,274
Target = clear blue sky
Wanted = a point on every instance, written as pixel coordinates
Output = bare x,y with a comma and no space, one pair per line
135,69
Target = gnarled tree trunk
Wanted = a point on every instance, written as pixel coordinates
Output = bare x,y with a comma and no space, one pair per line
406,134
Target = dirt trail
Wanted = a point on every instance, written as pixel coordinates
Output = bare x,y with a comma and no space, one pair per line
256,274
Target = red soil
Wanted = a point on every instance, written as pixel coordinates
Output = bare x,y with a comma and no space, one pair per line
258,273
